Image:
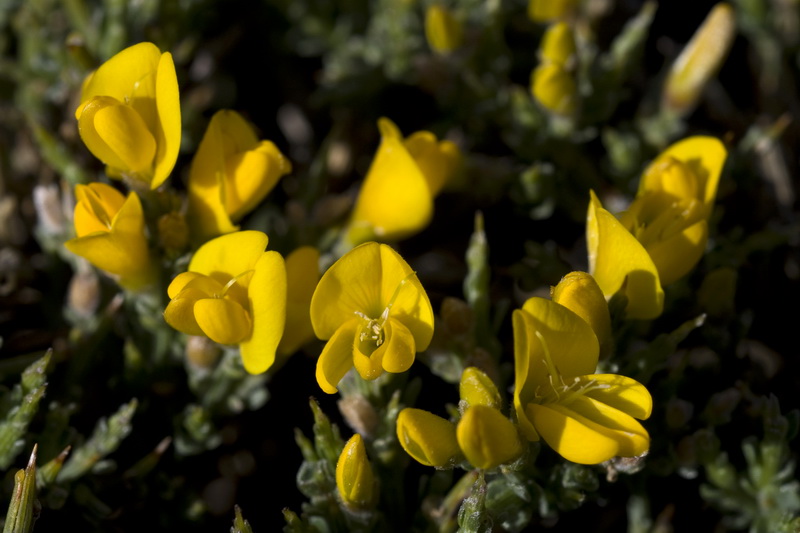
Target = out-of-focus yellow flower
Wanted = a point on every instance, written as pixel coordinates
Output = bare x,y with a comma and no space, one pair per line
302,275
476,388
552,82
231,173
587,418
558,45
580,293
487,438
442,29
428,438
373,311
549,10
234,293
354,477
110,231
700,60
396,199
663,234
130,117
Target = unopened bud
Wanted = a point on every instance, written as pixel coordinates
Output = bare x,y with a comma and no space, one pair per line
700,60
554,88
83,296
359,414
442,29
549,10
354,477
202,352
487,438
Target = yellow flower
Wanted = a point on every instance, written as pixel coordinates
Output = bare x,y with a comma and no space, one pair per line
302,275
549,10
663,234
487,438
354,477
442,29
587,418
580,293
231,173
700,60
110,233
129,116
428,438
552,82
373,311
234,293
396,199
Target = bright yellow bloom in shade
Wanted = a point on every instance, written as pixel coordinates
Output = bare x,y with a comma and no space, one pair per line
663,234
587,418
442,29
373,311
234,293
580,293
396,199
617,261
552,82
558,44
700,60
129,116
110,231
302,275
428,438
487,438
354,477
549,10
231,173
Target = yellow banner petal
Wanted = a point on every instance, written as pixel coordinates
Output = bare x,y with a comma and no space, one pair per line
168,130
229,255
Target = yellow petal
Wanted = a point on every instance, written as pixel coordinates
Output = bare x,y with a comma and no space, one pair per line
677,256
168,131
442,29
395,200
267,298
579,292
571,343
622,393
337,356
222,320
302,275
438,160
364,280
617,259
428,438
97,205
123,250
209,286
117,135
119,76
476,388
180,311
250,176
230,255
558,44
704,156
524,387
399,348
554,88
589,432
487,438
354,477
547,10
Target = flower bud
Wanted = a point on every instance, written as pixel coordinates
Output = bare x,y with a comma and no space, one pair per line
487,438
558,45
428,438
548,10
554,88
354,477
700,60
476,388
442,29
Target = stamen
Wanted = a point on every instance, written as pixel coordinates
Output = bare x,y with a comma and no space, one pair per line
232,281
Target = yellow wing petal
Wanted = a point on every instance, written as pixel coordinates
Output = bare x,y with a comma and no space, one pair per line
222,320
337,356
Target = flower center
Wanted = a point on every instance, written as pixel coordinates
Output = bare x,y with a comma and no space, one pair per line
560,390
372,334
